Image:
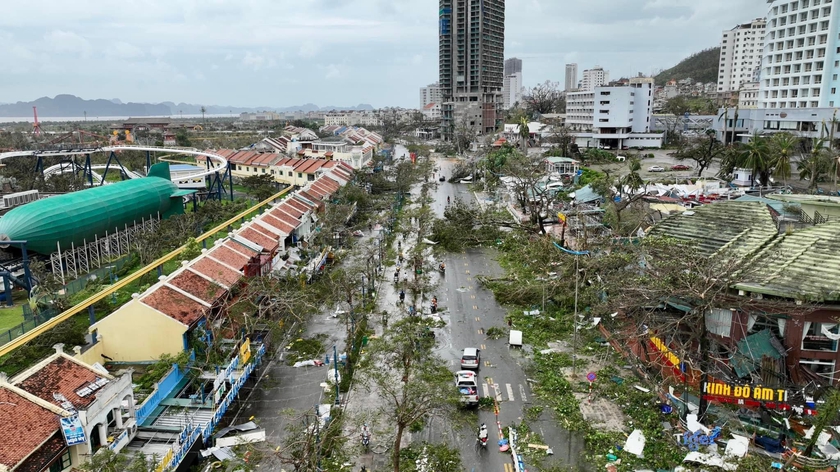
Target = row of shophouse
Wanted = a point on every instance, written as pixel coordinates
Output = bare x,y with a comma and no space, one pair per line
300,155
58,413
779,325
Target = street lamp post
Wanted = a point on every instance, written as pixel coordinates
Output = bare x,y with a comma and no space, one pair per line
335,367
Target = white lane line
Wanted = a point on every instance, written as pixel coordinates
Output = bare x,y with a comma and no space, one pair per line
510,392
486,389
498,392
522,393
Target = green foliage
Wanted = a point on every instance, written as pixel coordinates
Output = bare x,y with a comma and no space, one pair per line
595,155
182,138
260,186
106,460
192,250
437,457
495,332
588,176
155,372
681,105
702,67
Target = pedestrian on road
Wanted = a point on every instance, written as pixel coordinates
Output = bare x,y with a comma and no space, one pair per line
402,296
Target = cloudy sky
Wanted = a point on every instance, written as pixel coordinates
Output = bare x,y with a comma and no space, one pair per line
328,52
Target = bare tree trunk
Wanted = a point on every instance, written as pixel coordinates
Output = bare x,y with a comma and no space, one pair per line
397,441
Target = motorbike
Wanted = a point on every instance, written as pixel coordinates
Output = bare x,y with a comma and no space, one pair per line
482,436
402,297
366,439
442,269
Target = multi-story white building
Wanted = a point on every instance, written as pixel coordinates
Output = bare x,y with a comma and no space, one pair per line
571,77
351,118
613,117
740,54
592,78
748,96
512,90
430,94
801,56
432,112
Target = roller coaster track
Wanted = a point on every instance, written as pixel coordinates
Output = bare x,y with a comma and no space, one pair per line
92,300
219,162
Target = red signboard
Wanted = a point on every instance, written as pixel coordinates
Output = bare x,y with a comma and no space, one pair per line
413,157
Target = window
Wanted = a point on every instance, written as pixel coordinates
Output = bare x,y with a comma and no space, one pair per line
62,463
819,367
817,337
300,175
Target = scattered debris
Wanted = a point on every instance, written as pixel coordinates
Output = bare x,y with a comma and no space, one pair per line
249,426
311,362
635,443
641,389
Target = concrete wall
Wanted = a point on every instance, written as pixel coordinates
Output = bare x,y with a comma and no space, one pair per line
137,332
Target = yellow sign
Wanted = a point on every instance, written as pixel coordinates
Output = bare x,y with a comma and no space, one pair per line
745,392
561,217
245,351
164,463
665,350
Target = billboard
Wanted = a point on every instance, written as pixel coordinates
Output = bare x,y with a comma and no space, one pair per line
71,428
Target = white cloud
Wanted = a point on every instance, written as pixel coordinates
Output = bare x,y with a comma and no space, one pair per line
308,49
67,42
124,50
333,72
258,61
417,59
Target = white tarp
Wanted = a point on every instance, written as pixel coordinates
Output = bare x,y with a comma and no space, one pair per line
738,446
244,438
635,443
709,459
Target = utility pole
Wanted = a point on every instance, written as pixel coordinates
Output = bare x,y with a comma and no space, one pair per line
335,370
577,254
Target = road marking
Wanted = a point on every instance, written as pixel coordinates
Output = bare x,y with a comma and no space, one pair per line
483,347
510,392
475,307
477,318
489,380
487,364
498,393
468,271
480,330
522,393
472,296
466,264
469,287
509,467
486,390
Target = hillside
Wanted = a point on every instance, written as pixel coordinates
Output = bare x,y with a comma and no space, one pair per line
702,67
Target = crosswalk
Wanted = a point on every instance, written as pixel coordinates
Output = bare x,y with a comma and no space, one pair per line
504,392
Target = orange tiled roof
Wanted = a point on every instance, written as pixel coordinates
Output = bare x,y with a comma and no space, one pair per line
175,305
61,375
198,286
216,271
26,426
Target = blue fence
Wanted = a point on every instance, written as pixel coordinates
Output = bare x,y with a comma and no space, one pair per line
191,433
164,388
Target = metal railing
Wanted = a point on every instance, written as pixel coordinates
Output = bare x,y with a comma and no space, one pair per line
32,334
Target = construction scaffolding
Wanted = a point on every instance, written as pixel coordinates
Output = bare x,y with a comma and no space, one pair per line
74,262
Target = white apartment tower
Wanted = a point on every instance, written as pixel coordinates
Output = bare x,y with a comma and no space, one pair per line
801,59
430,94
613,117
571,77
512,90
740,55
592,78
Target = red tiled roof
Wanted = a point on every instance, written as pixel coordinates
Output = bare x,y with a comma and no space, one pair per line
330,184
311,197
175,305
51,450
281,214
293,207
277,223
240,248
229,257
61,375
268,243
216,271
26,425
198,286
429,106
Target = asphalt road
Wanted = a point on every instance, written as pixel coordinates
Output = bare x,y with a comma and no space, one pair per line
469,311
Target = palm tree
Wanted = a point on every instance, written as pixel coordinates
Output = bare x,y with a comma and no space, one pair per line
633,181
783,145
814,163
725,117
755,156
202,115
524,133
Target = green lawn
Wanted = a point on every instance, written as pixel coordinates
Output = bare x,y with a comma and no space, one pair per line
12,316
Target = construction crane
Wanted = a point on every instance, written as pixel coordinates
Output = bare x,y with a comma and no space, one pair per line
36,127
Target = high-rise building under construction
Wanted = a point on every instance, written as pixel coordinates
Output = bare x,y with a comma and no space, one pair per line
472,54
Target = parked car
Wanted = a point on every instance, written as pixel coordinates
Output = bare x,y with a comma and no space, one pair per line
656,169
442,178
467,384
680,167
471,358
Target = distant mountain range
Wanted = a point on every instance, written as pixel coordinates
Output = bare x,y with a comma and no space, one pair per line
72,106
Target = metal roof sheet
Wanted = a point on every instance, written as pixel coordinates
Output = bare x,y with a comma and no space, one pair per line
803,265
739,227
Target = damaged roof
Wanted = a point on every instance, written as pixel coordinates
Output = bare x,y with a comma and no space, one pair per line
27,425
803,265
742,227
65,376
